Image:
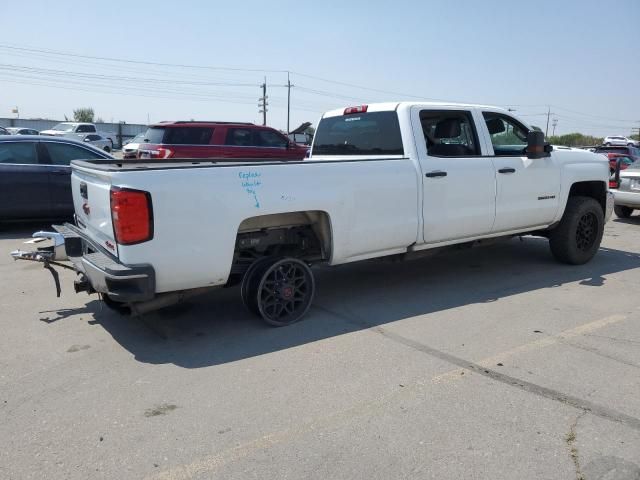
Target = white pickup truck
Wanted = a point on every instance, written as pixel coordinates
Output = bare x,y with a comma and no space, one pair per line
77,130
382,179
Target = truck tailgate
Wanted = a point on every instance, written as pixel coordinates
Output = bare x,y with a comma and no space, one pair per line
92,204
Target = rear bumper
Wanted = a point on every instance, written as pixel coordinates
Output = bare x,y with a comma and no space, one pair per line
627,199
105,274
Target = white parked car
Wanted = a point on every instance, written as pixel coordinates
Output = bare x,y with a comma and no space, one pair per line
618,140
97,141
383,179
130,149
627,195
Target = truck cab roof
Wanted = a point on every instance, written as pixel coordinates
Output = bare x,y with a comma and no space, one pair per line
395,106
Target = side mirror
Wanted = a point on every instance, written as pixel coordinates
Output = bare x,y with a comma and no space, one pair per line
536,146
87,139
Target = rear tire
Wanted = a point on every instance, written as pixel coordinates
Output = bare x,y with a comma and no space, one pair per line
577,238
622,211
279,290
250,281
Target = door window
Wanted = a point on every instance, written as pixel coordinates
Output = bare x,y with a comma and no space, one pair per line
449,133
85,129
62,153
23,153
239,137
508,136
267,138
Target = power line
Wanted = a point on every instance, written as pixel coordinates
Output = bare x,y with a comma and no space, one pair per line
140,62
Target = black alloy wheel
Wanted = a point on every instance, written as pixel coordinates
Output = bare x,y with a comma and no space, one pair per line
280,290
587,231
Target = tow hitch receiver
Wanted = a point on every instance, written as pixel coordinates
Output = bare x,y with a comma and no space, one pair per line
47,255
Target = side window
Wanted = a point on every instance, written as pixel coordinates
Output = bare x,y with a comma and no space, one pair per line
449,133
188,135
84,129
508,136
267,138
23,153
63,153
93,137
239,137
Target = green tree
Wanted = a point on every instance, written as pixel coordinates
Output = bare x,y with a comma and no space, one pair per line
83,115
575,140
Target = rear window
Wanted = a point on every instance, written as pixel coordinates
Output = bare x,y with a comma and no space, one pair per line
375,133
179,135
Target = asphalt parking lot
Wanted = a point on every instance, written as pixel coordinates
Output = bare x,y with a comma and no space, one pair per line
492,363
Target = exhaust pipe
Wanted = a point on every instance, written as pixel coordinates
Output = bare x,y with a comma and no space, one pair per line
165,300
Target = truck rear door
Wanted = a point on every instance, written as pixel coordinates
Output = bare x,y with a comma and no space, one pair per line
459,183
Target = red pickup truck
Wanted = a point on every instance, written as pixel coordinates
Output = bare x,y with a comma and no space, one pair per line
217,140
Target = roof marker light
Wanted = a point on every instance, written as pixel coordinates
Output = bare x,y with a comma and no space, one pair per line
358,109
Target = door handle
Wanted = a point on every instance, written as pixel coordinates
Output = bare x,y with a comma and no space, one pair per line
507,170
435,174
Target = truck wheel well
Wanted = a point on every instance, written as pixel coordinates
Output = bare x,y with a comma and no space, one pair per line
305,235
594,189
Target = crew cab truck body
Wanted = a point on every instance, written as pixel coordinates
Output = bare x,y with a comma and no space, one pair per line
383,179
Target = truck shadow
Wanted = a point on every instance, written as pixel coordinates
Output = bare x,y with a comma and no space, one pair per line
216,329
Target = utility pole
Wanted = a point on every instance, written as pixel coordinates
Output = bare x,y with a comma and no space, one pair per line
288,102
263,102
546,132
554,123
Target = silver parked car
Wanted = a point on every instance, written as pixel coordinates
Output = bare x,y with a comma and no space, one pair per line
97,141
627,193
618,140
130,149
22,131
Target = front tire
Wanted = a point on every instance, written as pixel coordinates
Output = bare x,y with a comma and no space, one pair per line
622,211
608,144
577,238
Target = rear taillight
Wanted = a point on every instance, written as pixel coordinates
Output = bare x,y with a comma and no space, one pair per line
159,152
132,215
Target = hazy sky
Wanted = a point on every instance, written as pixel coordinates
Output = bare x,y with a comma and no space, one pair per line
580,57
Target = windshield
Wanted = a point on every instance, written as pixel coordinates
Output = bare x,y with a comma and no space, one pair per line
63,127
376,133
138,138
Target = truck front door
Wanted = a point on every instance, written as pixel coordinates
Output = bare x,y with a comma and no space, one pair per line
459,184
527,190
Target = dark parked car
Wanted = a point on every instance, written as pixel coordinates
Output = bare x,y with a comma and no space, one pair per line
218,140
35,176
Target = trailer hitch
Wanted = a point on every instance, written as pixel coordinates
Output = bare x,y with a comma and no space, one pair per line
46,255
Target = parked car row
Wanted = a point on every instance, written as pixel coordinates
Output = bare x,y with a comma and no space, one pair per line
85,132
